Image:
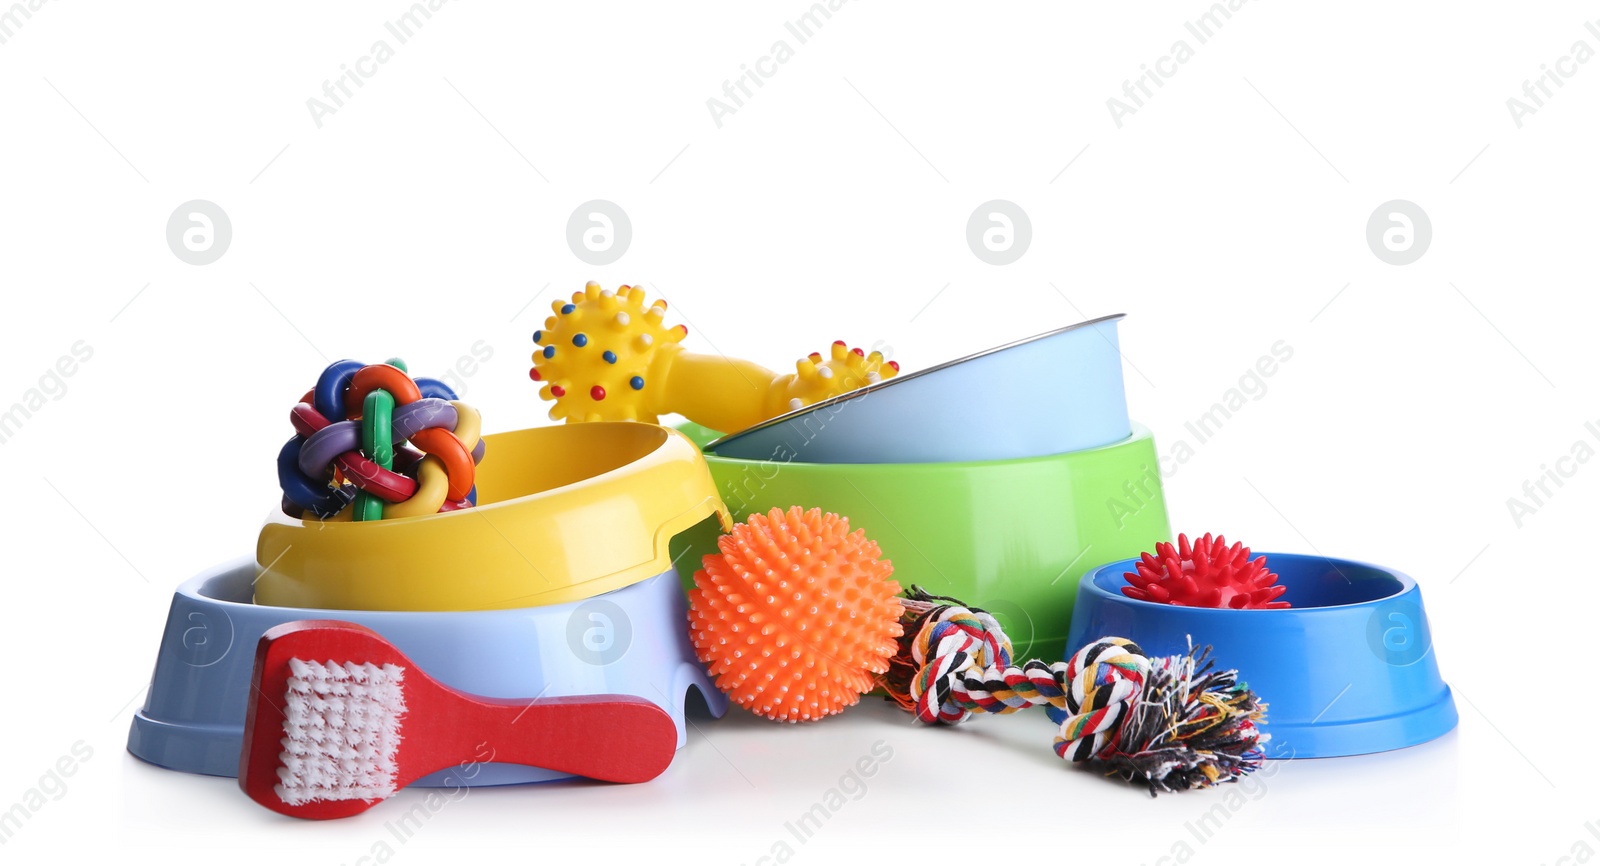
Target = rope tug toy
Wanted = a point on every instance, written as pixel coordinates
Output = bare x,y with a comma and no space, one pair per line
796,617
349,458
1171,722
606,356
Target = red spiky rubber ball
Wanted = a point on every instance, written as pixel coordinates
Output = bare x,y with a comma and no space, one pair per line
1207,573
797,616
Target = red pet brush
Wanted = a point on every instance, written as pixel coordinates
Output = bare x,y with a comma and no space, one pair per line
1207,574
340,719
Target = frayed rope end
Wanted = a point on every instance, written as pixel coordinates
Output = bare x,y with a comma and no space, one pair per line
1191,726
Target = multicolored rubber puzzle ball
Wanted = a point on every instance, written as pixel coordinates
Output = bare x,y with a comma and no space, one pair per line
797,616
371,442
1207,573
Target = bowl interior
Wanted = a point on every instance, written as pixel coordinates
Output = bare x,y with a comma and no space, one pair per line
554,457
1309,581
229,586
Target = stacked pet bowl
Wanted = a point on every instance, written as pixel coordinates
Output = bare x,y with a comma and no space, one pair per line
558,583
998,479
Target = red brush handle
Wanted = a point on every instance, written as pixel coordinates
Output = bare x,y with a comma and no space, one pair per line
613,738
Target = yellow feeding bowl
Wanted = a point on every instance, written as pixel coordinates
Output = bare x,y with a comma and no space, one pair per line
564,513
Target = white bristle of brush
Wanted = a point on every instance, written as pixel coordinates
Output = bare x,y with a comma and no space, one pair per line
341,732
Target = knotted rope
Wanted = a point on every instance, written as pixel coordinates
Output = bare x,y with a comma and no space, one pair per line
1171,722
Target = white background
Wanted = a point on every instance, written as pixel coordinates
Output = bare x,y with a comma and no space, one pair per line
1227,214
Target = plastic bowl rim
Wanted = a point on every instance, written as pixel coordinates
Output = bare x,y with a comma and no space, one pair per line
1408,586
192,588
1137,432
277,513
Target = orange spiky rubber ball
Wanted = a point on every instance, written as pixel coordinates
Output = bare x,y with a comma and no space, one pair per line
1207,573
797,617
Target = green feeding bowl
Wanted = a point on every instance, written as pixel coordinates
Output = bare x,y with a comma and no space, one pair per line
1010,536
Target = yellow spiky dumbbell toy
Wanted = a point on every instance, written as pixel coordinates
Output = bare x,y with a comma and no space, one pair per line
606,356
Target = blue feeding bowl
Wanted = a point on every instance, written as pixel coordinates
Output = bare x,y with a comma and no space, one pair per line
628,642
1057,392
1347,669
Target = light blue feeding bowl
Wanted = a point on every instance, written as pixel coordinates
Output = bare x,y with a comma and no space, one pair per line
1057,392
1347,669
632,641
